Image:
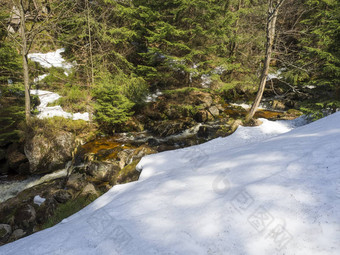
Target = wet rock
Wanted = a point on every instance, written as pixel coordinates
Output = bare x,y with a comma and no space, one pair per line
141,152
17,234
152,142
25,216
5,232
167,128
207,132
47,154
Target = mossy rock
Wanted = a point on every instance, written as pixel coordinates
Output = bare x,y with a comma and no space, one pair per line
128,173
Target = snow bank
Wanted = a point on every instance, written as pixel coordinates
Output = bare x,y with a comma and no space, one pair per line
243,194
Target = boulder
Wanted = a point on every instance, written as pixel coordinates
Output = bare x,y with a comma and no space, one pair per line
62,196
46,210
5,232
101,171
201,98
25,216
76,181
278,105
17,234
214,111
47,154
89,190
2,154
201,116
16,160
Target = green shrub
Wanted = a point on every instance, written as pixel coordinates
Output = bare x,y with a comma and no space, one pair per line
112,107
74,99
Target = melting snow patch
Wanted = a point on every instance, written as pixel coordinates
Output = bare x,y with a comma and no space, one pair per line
51,59
39,200
45,111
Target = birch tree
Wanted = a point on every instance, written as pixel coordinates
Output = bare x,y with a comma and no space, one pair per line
273,10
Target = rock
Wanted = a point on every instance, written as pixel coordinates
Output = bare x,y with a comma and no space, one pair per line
47,154
17,234
62,196
24,168
4,168
201,98
171,127
2,154
141,152
15,158
152,142
89,189
101,171
277,105
76,181
235,125
128,173
5,232
201,116
46,210
25,216
214,111
134,125
122,157
206,132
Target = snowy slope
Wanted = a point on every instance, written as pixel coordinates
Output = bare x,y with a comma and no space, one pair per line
243,194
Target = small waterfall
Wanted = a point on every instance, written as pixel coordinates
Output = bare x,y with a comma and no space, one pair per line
9,189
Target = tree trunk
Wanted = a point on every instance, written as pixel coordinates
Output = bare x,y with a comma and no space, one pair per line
25,61
270,31
90,41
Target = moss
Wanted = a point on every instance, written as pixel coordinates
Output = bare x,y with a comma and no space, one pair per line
65,210
294,112
129,173
2,232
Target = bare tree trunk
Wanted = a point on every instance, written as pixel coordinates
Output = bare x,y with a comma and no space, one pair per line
24,53
90,41
273,10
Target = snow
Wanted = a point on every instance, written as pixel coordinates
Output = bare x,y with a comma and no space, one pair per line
48,60
272,189
247,106
47,97
51,59
153,97
38,200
